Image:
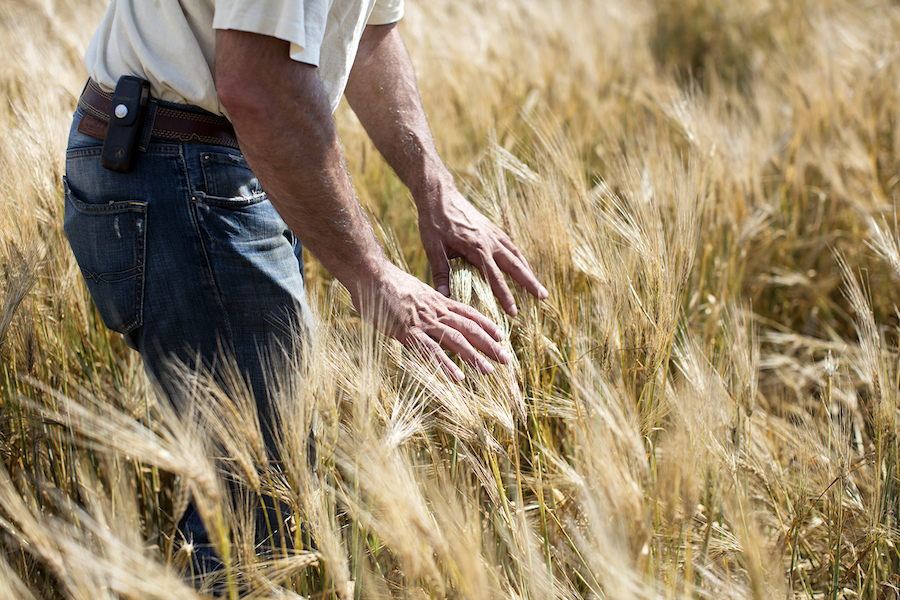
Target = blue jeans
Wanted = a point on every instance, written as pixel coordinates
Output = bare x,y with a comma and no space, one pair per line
187,258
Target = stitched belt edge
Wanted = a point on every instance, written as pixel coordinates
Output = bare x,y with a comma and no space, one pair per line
172,122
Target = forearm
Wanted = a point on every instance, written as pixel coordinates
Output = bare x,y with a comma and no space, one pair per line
382,91
284,127
285,131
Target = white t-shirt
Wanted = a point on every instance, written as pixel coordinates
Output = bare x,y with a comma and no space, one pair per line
172,43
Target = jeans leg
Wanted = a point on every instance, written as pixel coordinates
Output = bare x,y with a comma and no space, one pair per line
203,559
185,256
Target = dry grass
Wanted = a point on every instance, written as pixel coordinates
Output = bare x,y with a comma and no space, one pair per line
705,407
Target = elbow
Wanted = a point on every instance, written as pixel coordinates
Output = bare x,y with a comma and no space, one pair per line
253,74
239,96
256,80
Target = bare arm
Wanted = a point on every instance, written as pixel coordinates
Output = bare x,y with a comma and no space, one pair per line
283,122
284,126
382,91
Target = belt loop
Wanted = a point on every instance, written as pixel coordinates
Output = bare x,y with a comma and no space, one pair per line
148,125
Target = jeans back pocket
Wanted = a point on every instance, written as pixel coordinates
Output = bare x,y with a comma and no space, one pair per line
109,242
229,181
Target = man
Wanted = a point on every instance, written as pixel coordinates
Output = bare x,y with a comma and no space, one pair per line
186,255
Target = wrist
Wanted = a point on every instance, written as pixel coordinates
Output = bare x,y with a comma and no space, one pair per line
367,275
430,190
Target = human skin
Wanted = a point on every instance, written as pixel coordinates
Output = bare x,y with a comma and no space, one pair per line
285,129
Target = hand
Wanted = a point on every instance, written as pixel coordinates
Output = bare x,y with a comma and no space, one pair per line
451,227
410,311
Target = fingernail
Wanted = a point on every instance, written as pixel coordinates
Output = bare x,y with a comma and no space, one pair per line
487,368
513,310
458,374
443,289
543,293
505,357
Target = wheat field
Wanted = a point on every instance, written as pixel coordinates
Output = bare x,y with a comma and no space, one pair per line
707,406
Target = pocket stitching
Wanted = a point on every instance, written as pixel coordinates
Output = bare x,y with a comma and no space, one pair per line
138,211
226,159
225,202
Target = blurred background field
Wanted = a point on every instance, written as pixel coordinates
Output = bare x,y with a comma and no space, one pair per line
705,407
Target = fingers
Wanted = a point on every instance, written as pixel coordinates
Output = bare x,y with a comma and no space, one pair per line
485,323
467,337
440,270
498,285
468,340
465,332
423,319
433,352
511,261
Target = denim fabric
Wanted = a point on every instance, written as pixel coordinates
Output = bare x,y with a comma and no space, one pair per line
186,256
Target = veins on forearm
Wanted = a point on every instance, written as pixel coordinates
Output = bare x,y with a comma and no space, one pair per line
285,130
382,91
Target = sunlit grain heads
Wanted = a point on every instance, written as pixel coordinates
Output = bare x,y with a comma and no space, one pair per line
705,406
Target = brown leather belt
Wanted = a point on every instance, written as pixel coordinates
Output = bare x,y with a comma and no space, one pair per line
169,121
